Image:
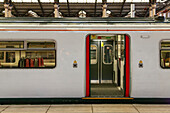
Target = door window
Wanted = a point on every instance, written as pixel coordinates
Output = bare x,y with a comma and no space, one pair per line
107,54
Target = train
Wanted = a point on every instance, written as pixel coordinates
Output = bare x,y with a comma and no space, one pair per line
88,59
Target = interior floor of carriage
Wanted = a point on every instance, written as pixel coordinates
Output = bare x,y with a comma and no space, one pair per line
106,90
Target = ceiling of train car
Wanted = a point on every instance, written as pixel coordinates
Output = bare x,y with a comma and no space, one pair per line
70,8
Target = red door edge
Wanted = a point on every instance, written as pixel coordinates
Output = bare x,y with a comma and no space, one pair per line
127,66
87,66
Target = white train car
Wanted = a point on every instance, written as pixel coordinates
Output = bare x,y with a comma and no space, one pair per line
86,59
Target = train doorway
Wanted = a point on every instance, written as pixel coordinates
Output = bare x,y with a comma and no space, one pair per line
107,65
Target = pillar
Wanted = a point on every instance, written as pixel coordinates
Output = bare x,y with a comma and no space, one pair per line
56,11
104,10
132,11
168,14
9,11
150,11
153,9
6,5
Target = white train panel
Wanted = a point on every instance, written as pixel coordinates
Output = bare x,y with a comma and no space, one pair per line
151,81
62,81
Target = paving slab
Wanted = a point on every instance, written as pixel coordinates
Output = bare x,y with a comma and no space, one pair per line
3,107
87,108
153,108
73,108
26,109
114,108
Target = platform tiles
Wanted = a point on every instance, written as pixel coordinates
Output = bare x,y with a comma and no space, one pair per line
87,108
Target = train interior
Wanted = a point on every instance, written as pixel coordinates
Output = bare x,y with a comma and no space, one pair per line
107,64
27,54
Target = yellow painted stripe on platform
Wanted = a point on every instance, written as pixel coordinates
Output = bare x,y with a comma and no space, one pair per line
109,98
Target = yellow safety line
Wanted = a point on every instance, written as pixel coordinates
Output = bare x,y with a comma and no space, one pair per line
108,98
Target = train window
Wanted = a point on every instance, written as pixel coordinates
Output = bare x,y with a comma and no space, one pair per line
93,54
10,57
11,44
107,54
165,54
165,44
1,55
46,58
35,57
40,44
165,58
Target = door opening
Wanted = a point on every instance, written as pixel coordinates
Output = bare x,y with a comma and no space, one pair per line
107,65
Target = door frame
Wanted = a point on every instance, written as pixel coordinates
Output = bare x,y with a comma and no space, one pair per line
127,66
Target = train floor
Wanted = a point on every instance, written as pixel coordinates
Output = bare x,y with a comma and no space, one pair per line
105,90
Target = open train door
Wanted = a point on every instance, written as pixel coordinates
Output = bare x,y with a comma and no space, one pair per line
107,65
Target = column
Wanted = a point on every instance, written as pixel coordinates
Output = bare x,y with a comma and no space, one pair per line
6,5
150,12
9,11
153,9
104,10
132,11
168,14
56,11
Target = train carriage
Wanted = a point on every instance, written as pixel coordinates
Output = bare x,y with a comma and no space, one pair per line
88,58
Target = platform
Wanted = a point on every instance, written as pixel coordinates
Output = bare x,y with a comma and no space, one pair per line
87,108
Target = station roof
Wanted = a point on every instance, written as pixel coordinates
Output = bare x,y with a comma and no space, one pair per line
70,8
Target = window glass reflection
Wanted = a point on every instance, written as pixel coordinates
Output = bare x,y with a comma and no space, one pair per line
107,54
41,44
41,54
165,58
93,54
11,44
